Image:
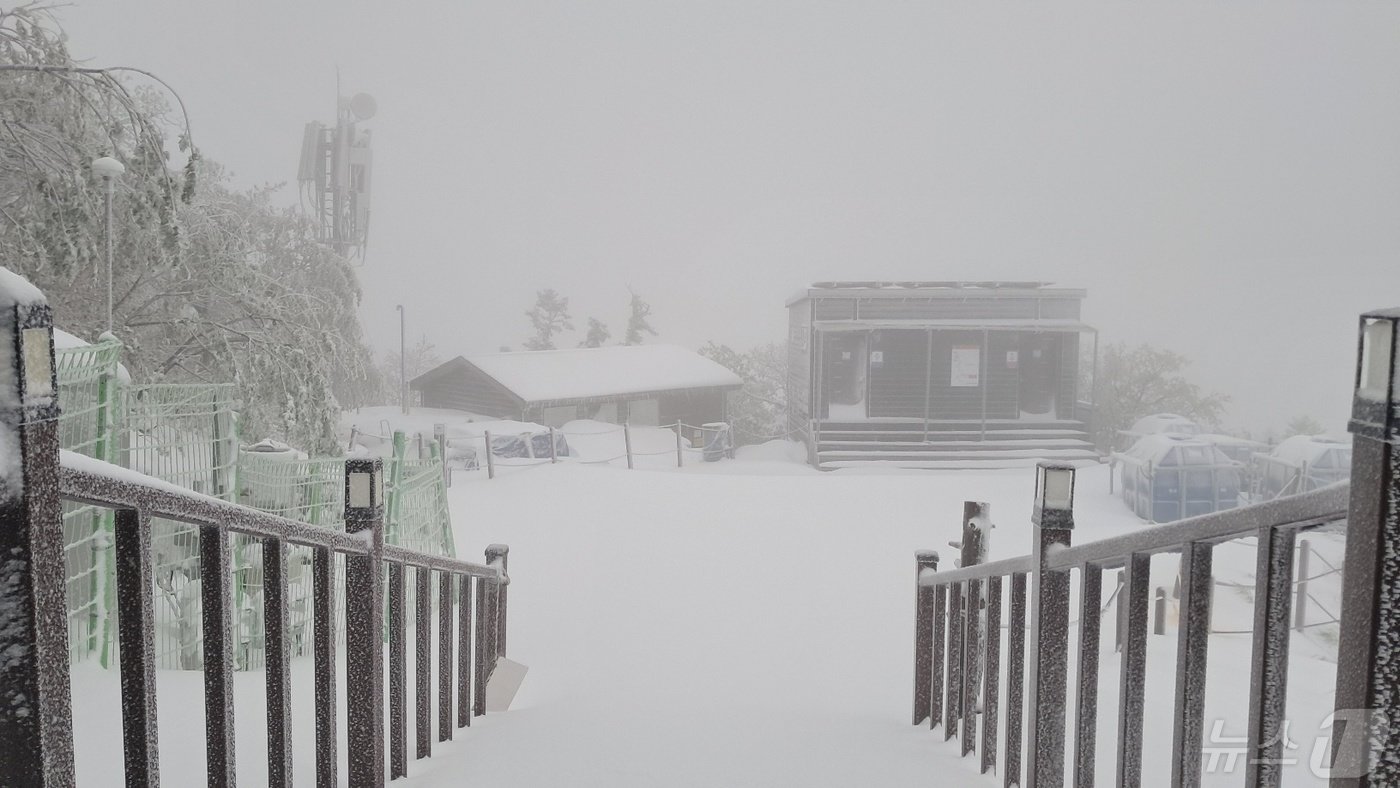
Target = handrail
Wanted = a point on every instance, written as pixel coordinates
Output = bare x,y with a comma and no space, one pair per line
1299,511
402,555
1005,566
86,480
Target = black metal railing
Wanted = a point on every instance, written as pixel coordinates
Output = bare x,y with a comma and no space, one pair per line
951,611
958,687
36,726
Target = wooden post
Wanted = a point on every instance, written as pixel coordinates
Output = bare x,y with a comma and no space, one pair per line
627,441
490,460
679,462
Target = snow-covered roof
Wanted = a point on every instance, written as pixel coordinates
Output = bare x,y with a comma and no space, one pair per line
1158,449
1301,449
879,288
581,373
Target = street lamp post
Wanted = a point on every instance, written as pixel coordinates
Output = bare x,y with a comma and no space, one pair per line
403,364
108,169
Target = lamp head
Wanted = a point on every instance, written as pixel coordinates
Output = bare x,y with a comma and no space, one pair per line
1375,404
1054,495
108,168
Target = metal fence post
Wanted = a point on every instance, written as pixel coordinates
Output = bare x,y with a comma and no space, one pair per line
627,443
499,555
974,552
1053,518
440,435
923,635
36,722
1368,674
679,462
1300,603
1118,611
553,448
1159,612
364,621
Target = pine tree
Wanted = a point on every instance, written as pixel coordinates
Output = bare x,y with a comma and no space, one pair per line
598,334
549,316
637,323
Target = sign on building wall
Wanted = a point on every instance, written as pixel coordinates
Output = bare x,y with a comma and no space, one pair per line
967,366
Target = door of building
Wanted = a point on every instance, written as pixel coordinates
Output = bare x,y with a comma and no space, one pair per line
845,364
1039,366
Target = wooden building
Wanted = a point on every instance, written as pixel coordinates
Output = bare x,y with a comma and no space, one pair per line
938,374
640,384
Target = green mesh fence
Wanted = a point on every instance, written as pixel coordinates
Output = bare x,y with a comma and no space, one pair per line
185,434
87,389
309,490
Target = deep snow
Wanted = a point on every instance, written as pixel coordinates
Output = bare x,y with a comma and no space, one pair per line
734,623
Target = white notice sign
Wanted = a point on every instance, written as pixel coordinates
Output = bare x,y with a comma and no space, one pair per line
967,366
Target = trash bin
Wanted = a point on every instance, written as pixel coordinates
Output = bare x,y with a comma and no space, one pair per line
717,441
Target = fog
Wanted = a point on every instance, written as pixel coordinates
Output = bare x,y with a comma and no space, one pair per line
1225,180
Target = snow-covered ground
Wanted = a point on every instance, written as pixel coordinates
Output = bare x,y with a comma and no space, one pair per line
737,623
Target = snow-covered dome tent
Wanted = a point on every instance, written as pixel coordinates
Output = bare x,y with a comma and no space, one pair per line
1168,477
1302,463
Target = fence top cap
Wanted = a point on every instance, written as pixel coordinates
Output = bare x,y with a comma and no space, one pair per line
926,555
1392,313
15,290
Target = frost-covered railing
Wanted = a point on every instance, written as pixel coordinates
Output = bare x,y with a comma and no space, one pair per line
36,725
962,609
957,666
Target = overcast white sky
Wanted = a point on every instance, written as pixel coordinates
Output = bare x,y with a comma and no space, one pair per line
1224,179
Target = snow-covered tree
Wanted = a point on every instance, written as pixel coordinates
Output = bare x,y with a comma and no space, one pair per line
213,286
1139,381
52,209
548,317
759,409
1303,425
637,323
418,358
598,334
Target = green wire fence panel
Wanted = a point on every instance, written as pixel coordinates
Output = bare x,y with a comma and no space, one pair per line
309,490
417,499
184,434
88,380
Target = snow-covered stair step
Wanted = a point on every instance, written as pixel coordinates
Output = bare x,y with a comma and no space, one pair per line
954,445
918,435
947,464
1070,453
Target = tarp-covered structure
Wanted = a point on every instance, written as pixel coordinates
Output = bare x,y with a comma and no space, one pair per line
1168,477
